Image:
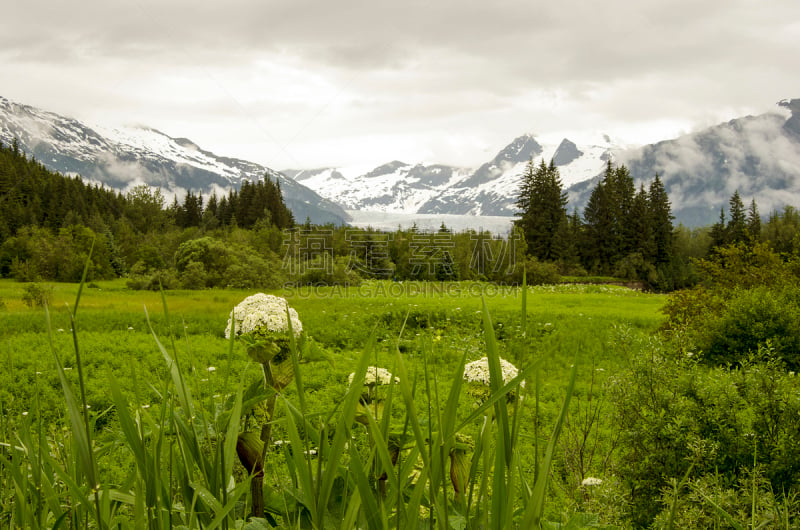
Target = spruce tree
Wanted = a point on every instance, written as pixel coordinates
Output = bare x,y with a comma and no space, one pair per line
719,235
640,223
543,205
661,221
601,242
753,222
737,225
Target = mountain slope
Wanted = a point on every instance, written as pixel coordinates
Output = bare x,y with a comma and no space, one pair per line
757,155
393,187
124,157
397,187
492,189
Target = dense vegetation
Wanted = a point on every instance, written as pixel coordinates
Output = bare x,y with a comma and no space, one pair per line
249,238
638,410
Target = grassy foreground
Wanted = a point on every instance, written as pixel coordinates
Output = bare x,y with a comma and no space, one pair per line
435,327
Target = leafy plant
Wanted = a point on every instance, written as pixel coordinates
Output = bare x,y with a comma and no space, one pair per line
36,294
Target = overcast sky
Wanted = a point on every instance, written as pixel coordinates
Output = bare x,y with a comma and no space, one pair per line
310,83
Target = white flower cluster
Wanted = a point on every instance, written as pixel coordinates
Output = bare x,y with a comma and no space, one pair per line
478,371
265,313
375,376
591,481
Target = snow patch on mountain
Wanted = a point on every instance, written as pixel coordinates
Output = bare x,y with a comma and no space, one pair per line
121,157
490,189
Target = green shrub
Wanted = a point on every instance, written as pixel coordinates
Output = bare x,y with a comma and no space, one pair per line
751,319
683,423
194,276
166,279
36,294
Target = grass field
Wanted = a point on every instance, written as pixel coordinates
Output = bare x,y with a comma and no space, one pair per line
432,325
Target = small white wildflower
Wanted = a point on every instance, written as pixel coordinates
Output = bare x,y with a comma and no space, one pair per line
211,369
61,330
130,328
375,376
146,406
263,312
25,413
591,481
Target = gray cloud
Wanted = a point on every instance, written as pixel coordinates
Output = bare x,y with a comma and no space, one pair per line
305,70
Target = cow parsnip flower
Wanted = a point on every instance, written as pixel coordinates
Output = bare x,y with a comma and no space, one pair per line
375,376
477,375
263,314
478,371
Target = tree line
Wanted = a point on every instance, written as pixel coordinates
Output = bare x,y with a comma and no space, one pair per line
622,232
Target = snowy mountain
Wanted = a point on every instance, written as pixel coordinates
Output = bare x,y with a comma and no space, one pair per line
491,189
124,157
394,187
757,155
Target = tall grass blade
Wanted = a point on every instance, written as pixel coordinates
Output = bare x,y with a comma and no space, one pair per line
535,510
524,319
77,419
231,434
341,436
368,500
736,525
83,279
496,379
184,395
302,469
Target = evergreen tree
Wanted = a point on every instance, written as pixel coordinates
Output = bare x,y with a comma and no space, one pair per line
718,233
600,246
543,205
640,223
753,222
661,221
736,230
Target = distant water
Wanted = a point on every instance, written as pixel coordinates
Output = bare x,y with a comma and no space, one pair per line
390,221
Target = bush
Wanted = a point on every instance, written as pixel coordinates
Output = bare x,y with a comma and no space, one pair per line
537,273
333,272
194,276
753,318
36,295
683,423
165,279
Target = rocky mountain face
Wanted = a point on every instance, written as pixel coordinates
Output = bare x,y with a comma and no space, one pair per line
491,189
757,155
124,157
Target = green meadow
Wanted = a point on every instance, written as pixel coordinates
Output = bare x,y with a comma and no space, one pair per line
606,424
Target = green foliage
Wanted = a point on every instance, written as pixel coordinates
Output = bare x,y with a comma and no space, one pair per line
684,427
748,297
750,319
542,202
36,295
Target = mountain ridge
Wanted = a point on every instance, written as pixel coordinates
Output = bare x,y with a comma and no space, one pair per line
759,156
121,157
